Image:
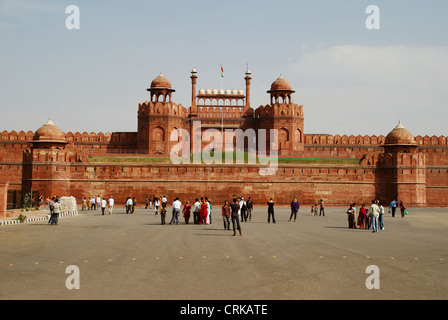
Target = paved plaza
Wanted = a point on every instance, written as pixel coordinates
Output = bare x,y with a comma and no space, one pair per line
123,256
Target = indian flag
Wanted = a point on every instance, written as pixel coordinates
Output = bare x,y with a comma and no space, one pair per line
222,72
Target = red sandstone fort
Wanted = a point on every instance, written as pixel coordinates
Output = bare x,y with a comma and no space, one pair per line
338,169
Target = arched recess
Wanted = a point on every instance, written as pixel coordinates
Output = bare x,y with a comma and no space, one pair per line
283,135
298,137
158,134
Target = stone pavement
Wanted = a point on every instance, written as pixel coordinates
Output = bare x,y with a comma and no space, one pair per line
123,256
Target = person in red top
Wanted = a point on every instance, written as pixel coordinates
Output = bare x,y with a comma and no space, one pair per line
186,211
362,216
226,215
203,212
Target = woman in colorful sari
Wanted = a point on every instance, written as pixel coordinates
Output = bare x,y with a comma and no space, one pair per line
186,211
362,216
204,212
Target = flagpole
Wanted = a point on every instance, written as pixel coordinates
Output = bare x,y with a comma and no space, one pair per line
222,114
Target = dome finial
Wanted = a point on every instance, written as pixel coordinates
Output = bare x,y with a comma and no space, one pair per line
399,125
49,122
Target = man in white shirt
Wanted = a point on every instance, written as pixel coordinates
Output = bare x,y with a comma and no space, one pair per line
129,204
56,211
93,207
98,202
374,213
176,211
103,205
243,209
196,211
111,204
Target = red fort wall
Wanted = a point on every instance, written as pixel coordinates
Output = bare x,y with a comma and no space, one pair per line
69,172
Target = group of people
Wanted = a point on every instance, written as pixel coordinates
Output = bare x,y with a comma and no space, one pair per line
238,211
372,217
95,203
55,208
320,208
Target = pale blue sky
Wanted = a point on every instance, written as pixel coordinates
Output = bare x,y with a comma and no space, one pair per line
350,80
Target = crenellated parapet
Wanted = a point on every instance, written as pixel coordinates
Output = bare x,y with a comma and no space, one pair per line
149,108
351,140
279,110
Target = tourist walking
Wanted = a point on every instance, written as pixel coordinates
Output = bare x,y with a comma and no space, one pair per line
295,207
314,210
111,204
351,216
196,211
243,207
322,208
128,205
208,220
156,205
203,213
51,207
186,211
235,208
176,211
56,211
134,204
226,215
238,201
84,204
271,211
147,202
381,216
374,213
250,207
393,207
362,216
402,209
103,206
163,215
93,203
98,202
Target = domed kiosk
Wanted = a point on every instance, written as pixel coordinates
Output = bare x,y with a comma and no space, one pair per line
160,89
49,135
280,91
400,140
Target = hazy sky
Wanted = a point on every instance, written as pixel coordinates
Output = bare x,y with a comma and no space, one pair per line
350,80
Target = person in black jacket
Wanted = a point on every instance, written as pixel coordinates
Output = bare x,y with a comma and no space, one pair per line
235,207
271,211
249,206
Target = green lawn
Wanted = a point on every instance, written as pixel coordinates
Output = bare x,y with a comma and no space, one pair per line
245,155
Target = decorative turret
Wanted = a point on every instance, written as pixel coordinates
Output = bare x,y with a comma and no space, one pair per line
160,89
280,91
400,140
48,136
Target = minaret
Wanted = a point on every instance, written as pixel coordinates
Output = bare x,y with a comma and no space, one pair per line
247,78
193,77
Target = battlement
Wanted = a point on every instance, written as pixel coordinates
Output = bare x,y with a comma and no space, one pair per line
279,109
161,108
388,159
21,136
328,139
